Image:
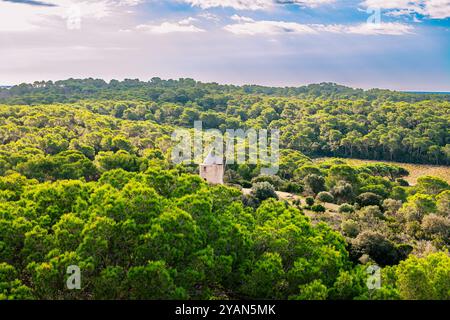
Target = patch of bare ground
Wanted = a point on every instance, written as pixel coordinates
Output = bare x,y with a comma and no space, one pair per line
415,170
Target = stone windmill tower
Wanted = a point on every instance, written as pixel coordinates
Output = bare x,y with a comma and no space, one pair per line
212,169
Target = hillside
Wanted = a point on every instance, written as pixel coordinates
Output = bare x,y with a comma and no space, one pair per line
91,183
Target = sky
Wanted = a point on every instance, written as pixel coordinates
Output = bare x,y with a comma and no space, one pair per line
392,44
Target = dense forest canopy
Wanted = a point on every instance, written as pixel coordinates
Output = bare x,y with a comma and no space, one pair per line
86,179
317,120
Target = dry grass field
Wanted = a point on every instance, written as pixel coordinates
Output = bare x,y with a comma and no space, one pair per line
415,170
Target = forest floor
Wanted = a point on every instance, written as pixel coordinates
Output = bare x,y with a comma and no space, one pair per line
415,170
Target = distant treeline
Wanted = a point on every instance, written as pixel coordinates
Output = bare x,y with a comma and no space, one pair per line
186,90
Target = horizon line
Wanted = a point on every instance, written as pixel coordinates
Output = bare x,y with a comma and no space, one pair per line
108,80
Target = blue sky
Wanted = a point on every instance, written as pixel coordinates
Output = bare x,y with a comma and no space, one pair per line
396,44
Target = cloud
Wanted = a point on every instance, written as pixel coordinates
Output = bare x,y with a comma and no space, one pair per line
235,4
239,18
306,3
209,16
390,28
184,25
435,9
253,4
250,27
32,3
16,17
266,27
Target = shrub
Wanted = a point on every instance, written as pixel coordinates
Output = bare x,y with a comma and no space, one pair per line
370,211
263,191
314,183
275,181
368,199
399,193
350,228
325,197
292,187
402,182
346,208
343,192
443,203
250,200
374,244
318,208
434,225
392,206
309,201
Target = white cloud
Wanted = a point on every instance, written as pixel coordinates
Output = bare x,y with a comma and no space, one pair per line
239,18
268,28
391,28
23,17
235,4
307,3
187,21
184,25
439,9
435,9
250,27
253,4
209,16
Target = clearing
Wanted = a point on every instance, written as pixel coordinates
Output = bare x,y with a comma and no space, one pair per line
415,170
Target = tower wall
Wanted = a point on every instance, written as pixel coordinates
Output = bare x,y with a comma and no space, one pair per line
212,173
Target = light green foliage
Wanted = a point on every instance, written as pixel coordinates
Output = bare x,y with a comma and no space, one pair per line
312,291
424,278
12,288
431,185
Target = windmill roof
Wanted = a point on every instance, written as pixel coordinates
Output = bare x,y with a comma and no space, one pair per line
212,159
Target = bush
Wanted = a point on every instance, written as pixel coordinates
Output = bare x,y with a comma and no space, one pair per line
368,199
402,182
436,226
292,187
314,183
275,181
374,244
250,200
346,208
343,192
325,197
263,191
350,228
370,211
318,208
399,193
392,206
309,201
